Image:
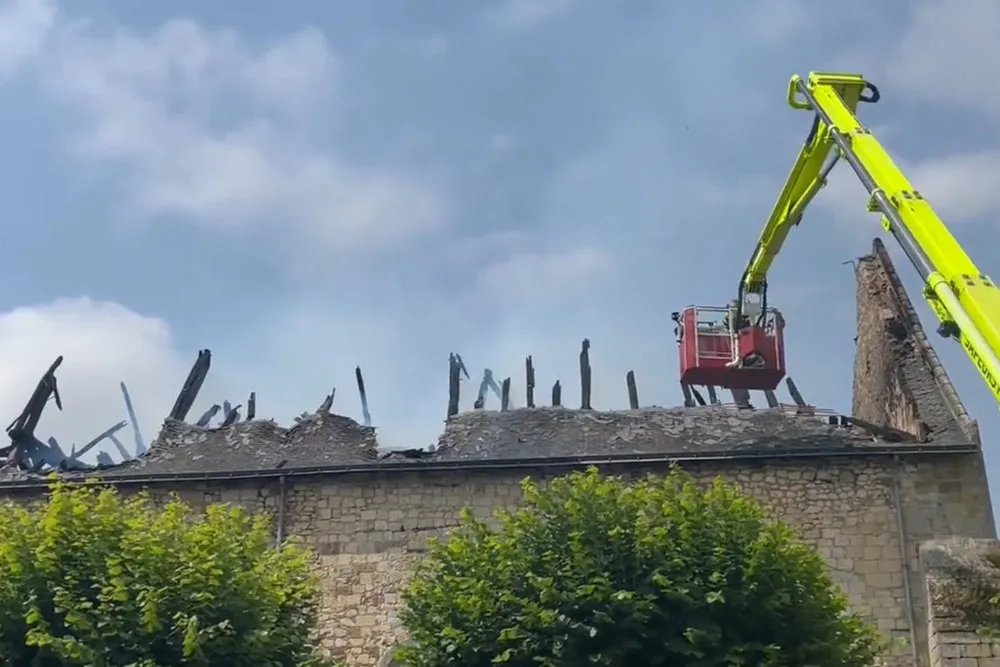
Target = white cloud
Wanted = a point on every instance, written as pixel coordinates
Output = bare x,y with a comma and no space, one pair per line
24,27
103,344
773,22
546,276
950,54
961,188
526,14
199,124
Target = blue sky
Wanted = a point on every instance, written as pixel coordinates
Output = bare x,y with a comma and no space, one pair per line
306,186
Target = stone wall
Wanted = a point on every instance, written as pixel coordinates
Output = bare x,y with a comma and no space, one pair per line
866,500
367,528
960,578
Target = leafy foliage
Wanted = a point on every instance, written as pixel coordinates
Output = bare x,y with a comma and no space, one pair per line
92,579
594,571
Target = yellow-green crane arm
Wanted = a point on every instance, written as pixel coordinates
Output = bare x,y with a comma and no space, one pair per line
965,300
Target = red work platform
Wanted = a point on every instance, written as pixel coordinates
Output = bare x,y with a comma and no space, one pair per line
705,346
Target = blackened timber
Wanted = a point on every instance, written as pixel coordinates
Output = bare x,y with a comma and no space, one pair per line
585,374
697,396
208,416
23,427
195,380
529,379
772,400
96,441
494,387
252,406
364,396
713,397
454,380
794,392
231,417
505,395
461,366
688,398
633,391
484,386
120,447
556,394
140,444
324,407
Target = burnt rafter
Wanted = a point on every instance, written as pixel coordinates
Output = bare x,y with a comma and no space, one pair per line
364,396
22,429
189,392
231,417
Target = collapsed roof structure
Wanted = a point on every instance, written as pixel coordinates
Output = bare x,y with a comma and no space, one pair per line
891,343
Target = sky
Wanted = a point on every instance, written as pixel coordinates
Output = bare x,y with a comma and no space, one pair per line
305,186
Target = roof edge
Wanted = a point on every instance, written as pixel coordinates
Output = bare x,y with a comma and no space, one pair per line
551,463
916,330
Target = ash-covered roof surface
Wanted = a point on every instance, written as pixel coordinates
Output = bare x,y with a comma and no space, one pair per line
319,439
329,439
552,432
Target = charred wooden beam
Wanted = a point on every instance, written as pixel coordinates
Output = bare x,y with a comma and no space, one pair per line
208,416
232,417
697,396
505,395
794,392
713,397
325,406
366,415
495,387
22,429
585,374
633,391
772,400
461,366
484,386
688,398
454,380
252,406
529,380
556,394
140,444
97,440
120,447
195,380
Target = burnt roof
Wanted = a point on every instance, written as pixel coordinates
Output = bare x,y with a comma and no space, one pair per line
326,439
319,439
559,432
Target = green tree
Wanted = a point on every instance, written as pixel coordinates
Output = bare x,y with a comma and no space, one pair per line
595,571
92,579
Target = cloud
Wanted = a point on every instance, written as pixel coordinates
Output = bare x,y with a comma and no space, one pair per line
949,55
961,188
24,27
773,22
527,14
201,126
543,276
103,344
